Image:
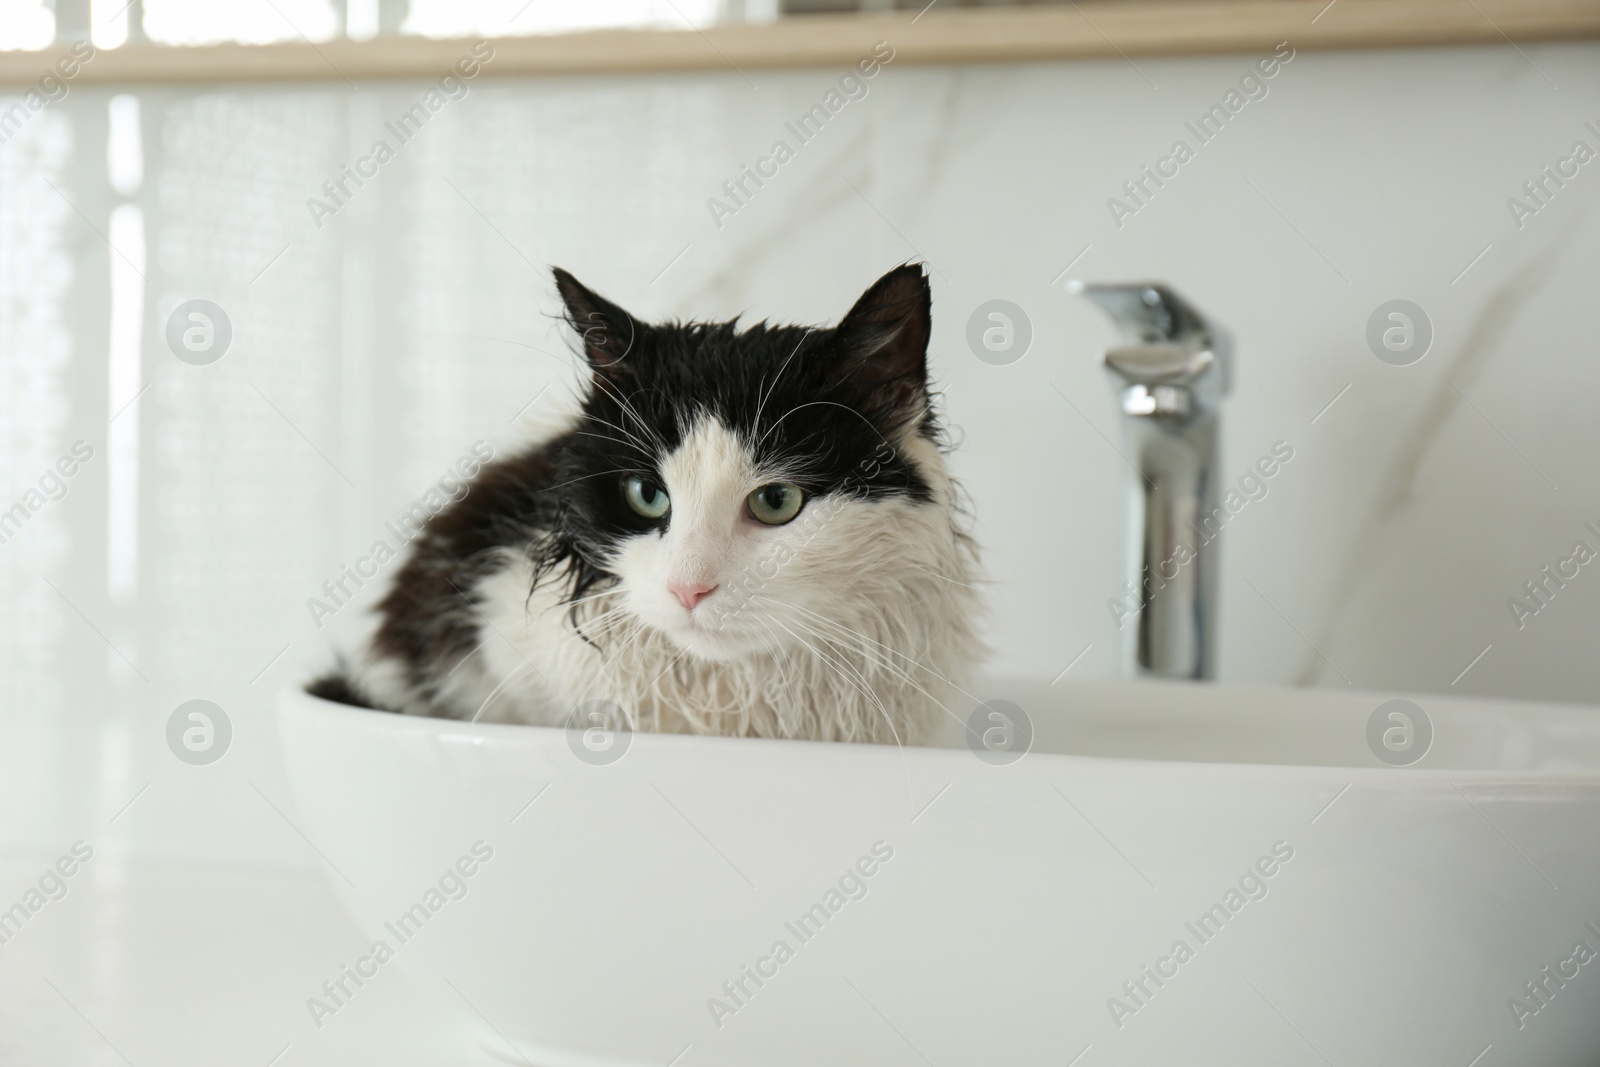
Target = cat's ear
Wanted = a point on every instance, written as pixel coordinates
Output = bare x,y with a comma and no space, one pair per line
609,333
883,342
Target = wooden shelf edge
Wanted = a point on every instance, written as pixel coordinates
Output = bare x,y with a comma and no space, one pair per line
1092,29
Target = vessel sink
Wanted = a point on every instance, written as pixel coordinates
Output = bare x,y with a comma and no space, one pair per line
1164,873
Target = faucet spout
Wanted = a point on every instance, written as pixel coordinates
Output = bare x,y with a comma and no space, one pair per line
1171,375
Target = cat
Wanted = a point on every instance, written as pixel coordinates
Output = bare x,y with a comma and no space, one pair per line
741,532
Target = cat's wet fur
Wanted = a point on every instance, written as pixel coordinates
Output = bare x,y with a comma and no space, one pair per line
542,589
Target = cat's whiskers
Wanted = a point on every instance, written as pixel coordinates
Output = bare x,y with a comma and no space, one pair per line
586,477
904,762
867,642
859,683
944,577
780,658
767,395
873,650
479,647
604,385
824,404
845,649
625,405
510,675
637,446
602,624
608,592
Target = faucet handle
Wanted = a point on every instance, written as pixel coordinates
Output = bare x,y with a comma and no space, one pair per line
1179,342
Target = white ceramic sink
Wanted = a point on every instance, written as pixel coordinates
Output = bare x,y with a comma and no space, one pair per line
1405,910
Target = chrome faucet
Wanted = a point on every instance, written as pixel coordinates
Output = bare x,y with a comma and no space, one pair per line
1171,377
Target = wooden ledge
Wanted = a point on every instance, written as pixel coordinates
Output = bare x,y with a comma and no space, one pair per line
1089,29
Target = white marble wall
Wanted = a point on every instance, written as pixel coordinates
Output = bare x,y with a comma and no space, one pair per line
372,351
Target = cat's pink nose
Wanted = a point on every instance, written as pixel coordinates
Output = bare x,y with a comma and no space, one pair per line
691,593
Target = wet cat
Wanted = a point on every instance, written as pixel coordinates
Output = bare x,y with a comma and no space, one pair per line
741,532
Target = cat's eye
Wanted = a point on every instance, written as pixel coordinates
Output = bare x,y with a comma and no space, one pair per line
776,503
646,497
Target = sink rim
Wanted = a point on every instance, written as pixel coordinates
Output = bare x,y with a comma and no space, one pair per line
293,701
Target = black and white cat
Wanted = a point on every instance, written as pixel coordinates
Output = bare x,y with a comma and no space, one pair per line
742,532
